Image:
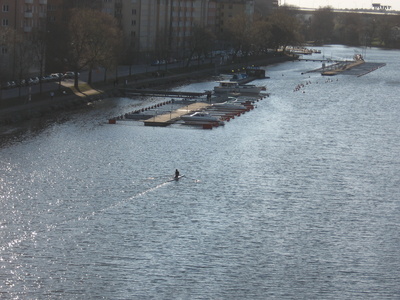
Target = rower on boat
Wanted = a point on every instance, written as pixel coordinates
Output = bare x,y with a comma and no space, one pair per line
176,173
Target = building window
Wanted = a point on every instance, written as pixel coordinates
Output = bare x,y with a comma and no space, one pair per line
134,12
4,50
5,8
133,22
5,22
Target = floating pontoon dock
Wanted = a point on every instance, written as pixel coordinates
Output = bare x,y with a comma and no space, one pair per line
169,118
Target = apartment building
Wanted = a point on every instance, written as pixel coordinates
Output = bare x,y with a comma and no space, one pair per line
23,15
226,10
149,26
18,18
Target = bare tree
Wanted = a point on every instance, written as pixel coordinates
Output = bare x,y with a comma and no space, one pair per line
23,57
163,48
285,29
39,46
95,39
240,35
322,25
200,43
6,35
262,35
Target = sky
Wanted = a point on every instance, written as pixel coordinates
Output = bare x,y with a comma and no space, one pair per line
395,4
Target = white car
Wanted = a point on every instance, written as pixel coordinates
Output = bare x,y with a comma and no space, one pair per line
70,75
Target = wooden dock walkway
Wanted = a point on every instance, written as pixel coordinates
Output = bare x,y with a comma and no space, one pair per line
169,118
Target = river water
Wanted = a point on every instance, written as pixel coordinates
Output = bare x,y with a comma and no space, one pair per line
297,199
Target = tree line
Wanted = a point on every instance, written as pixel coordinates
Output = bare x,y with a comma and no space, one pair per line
353,29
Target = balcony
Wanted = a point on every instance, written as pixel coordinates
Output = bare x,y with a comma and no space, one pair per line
28,14
29,1
44,2
27,28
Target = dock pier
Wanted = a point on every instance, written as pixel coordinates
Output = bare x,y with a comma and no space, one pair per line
169,118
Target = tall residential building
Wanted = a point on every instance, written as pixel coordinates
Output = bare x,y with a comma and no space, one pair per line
152,26
227,9
22,17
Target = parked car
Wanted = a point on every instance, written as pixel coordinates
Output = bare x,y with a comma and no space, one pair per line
70,75
33,80
23,82
57,76
46,78
158,62
11,84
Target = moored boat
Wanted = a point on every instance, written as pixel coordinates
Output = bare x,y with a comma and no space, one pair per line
235,87
228,106
201,118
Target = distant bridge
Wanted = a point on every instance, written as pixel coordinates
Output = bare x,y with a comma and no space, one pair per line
356,11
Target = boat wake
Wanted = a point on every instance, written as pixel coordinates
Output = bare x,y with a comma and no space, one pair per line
34,233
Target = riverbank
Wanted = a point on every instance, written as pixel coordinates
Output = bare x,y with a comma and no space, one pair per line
66,97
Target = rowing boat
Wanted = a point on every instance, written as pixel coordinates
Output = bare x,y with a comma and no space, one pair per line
176,178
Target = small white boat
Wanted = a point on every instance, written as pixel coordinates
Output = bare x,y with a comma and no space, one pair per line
235,87
201,118
229,106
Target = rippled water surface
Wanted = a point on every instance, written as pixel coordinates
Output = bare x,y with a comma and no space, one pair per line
297,199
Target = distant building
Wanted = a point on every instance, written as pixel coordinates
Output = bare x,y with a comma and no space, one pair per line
155,25
265,7
378,6
226,10
151,26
